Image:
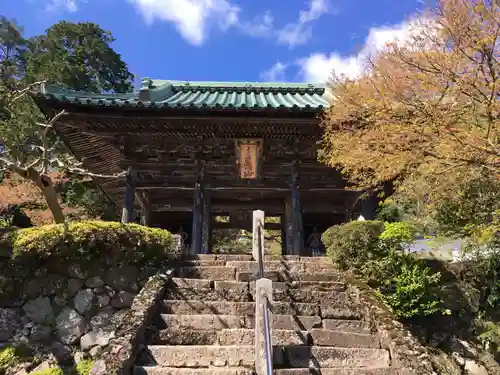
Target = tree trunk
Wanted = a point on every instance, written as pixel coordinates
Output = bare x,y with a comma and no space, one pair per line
46,186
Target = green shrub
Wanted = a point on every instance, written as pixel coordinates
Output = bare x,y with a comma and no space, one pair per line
490,333
374,251
389,211
397,236
84,367
413,292
50,371
377,271
8,358
353,244
87,240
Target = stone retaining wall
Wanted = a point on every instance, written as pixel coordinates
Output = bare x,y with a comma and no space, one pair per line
68,311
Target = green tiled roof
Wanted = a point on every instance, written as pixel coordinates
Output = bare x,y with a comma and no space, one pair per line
203,95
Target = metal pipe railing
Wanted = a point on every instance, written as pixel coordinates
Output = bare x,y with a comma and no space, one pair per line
265,306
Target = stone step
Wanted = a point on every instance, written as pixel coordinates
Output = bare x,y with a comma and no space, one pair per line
285,275
346,325
298,284
200,263
203,322
324,337
202,356
235,308
219,273
157,370
289,266
218,322
243,355
231,336
308,292
309,272
224,257
195,307
207,290
308,295
341,371
323,356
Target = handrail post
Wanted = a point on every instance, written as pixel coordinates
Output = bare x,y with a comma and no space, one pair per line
263,300
258,237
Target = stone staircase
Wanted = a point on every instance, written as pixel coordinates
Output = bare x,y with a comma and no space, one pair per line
207,321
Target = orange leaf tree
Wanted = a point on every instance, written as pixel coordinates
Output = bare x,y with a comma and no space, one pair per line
426,109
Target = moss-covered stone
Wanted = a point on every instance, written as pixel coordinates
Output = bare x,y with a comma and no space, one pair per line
83,367
49,371
8,359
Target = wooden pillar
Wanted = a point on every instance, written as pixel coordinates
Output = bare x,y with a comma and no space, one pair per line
288,225
369,207
146,209
206,235
128,204
297,224
197,213
283,235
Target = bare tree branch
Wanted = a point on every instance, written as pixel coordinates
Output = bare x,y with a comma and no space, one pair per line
18,94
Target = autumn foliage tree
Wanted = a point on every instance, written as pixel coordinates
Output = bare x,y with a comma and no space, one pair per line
427,108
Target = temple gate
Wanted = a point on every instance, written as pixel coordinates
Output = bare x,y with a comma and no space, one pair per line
197,150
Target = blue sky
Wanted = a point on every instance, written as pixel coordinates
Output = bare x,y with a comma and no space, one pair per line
232,40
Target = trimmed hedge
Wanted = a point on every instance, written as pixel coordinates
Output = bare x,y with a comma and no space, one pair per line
352,244
87,240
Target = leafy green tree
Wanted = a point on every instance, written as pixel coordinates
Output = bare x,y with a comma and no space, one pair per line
13,47
77,56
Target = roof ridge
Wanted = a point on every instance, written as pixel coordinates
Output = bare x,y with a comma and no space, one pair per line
203,86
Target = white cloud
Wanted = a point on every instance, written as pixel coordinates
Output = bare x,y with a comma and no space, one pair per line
316,9
192,18
260,26
276,73
318,67
300,32
67,5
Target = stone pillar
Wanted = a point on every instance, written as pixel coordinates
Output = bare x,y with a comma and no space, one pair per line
206,232
128,204
197,220
258,236
263,290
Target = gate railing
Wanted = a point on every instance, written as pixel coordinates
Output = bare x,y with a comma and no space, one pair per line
263,302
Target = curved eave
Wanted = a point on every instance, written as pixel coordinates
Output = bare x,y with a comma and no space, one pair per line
53,101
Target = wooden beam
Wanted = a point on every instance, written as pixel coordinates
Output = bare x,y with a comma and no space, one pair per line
213,119
243,225
275,208
275,184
